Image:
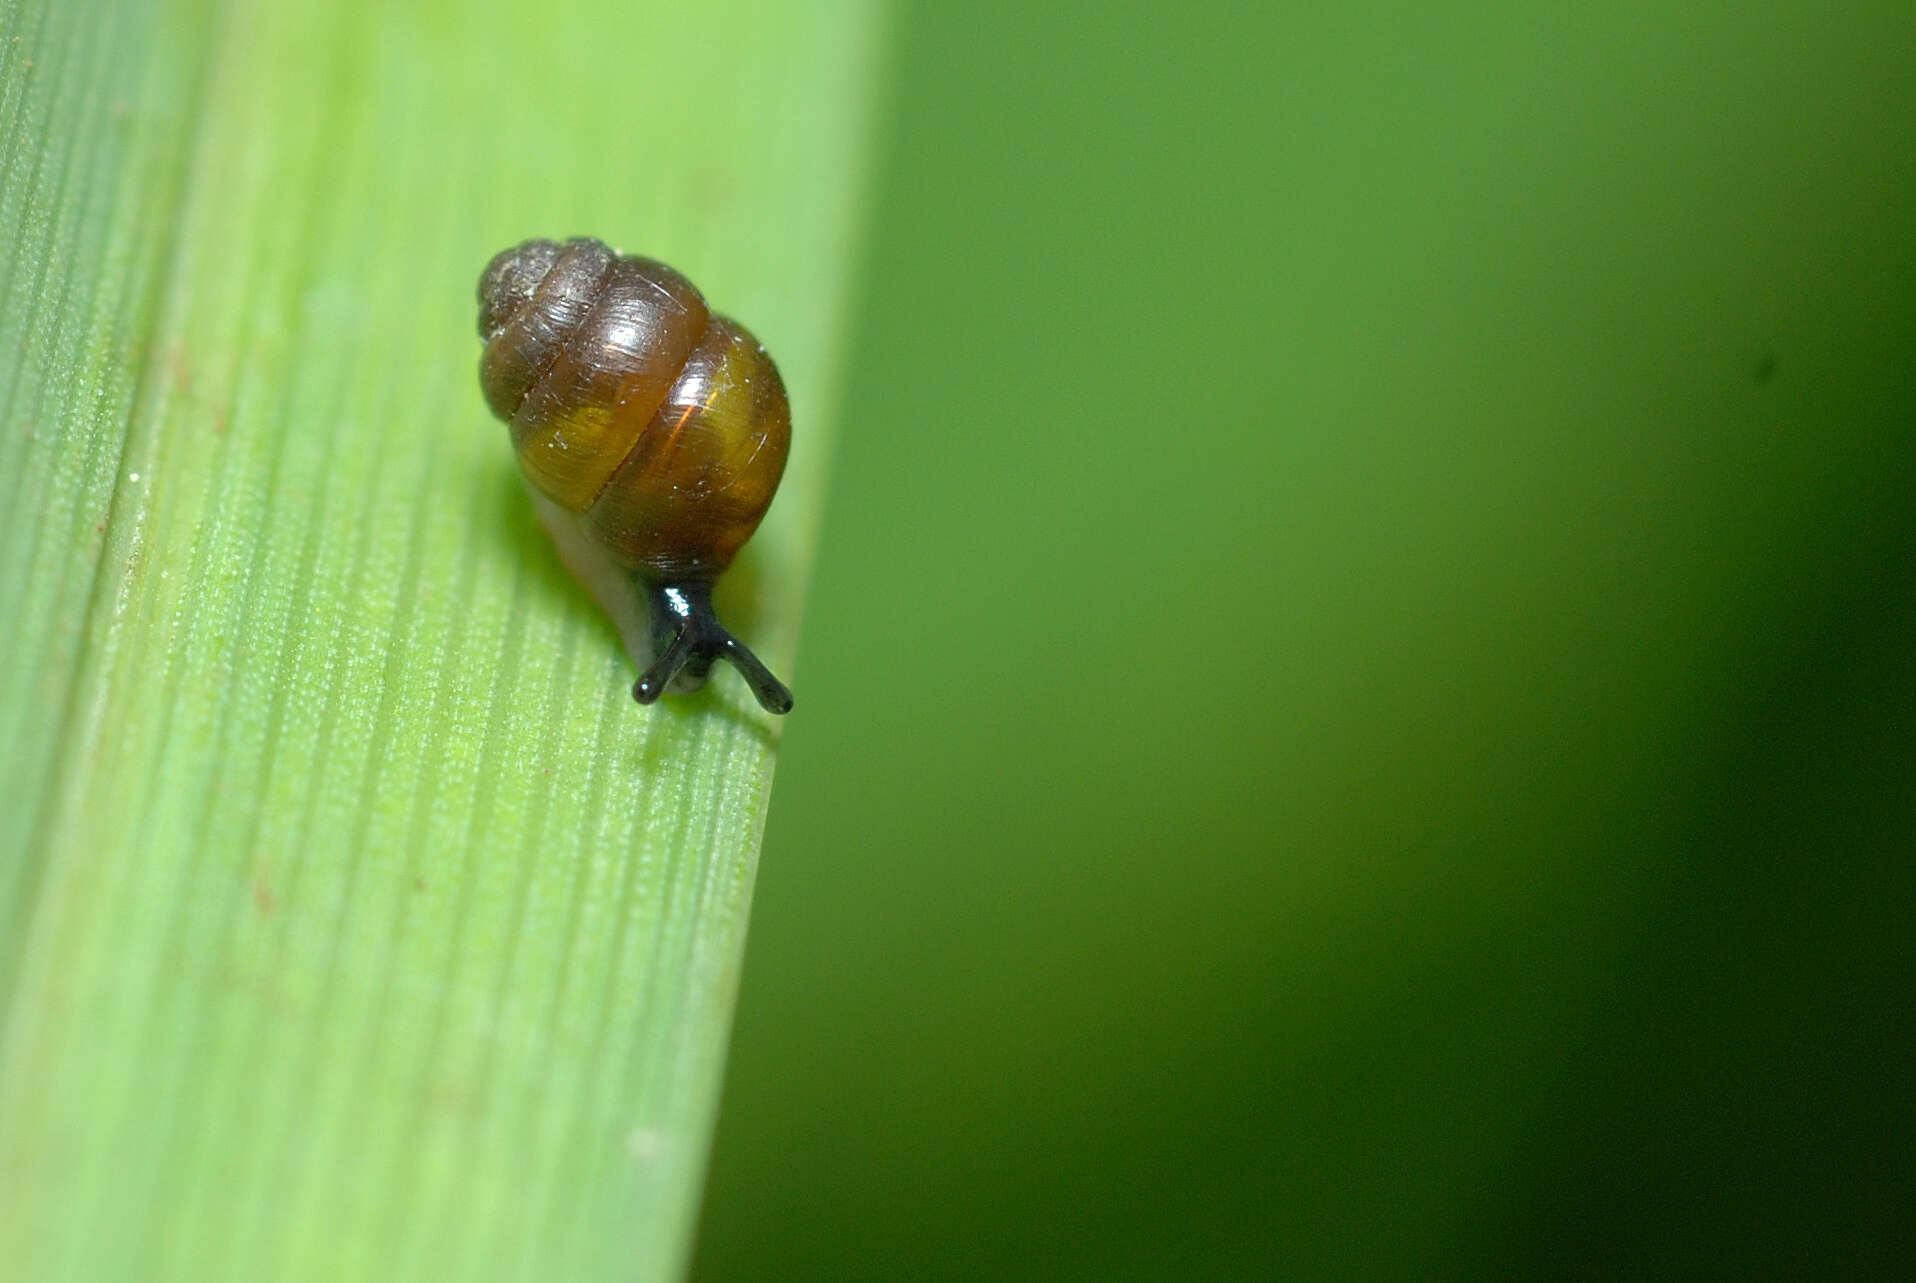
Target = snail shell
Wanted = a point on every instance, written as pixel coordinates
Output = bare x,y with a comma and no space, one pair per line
654,434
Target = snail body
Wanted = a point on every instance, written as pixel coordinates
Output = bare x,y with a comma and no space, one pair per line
653,432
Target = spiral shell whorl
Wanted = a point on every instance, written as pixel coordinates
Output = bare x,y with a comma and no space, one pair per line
584,346
509,282
532,300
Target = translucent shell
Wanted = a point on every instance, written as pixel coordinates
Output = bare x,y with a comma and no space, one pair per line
663,428
702,473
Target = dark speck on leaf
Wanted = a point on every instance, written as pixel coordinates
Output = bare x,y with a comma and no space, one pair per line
1764,370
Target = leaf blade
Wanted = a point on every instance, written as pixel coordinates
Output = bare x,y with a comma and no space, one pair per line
369,921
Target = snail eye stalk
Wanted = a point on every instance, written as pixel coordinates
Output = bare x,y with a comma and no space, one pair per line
688,639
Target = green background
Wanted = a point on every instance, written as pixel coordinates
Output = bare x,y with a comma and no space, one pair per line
1356,714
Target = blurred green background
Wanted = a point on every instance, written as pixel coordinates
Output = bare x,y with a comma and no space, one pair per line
1358,713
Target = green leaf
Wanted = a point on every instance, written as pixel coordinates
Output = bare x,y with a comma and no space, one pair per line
354,923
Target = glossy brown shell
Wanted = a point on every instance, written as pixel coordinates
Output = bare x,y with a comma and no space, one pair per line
662,427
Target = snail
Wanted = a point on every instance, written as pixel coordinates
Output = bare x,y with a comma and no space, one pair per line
653,433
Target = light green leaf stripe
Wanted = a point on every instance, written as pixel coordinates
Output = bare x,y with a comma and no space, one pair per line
356,925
